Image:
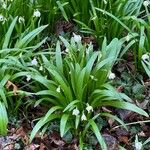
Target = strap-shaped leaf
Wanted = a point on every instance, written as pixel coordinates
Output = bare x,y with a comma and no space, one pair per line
98,135
9,33
63,123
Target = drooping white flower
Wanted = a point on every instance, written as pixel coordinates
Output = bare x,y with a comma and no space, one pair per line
138,146
36,13
92,77
21,19
2,19
89,108
67,50
28,78
111,76
146,3
127,37
76,111
4,5
41,68
145,57
34,62
83,117
58,89
77,38
105,2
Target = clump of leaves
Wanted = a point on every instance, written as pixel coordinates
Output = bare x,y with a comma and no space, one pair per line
3,119
76,85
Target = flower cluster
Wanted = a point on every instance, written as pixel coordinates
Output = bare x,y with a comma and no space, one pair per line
76,112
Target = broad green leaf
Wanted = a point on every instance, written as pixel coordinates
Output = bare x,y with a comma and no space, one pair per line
98,135
115,118
51,111
9,34
63,123
3,120
40,124
70,105
29,37
124,105
59,62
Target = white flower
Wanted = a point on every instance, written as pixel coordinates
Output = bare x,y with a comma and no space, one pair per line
92,77
2,19
36,13
127,37
83,117
28,78
89,108
4,5
76,111
111,76
145,57
67,50
138,146
41,68
21,19
34,62
58,89
77,38
105,1
146,3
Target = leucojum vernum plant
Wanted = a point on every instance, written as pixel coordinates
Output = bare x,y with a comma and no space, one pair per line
76,85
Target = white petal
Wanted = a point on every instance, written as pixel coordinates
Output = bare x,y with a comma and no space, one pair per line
145,57
111,76
83,117
77,38
75,112
34,62
58,89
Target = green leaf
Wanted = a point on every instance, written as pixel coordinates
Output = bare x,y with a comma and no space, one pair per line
98,135
70,105
40,124
59,63
63,123
9,33
125,105
114,17
115,118
147,141
3,120
51,111
29,37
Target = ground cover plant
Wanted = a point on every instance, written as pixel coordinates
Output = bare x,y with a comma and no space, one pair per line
74,74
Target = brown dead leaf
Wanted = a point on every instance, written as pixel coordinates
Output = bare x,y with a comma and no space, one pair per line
9,84
21,133
120,89
32,147
106,110
8,147
124,139
111,122
143,105
42,146
141,134
112,143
